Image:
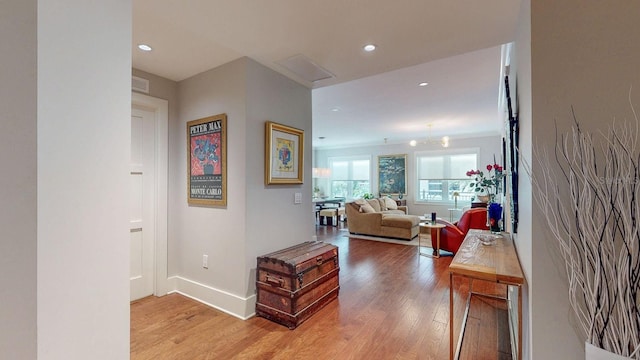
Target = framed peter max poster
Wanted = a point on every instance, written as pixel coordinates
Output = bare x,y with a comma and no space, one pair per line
207,161
284,154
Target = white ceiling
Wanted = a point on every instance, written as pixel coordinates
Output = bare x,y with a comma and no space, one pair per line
454,45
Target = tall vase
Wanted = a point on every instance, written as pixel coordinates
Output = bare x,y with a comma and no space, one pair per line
483,198
495,214
595,353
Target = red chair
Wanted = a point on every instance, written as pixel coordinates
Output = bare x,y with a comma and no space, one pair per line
451,235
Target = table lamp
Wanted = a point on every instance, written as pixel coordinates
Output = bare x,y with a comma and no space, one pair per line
455,199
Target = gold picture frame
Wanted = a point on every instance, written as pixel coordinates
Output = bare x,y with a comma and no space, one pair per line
207,161
284,154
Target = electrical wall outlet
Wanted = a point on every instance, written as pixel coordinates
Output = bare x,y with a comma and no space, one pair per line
205,261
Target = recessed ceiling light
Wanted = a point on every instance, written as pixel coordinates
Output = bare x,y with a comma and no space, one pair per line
144,47
413,143
423,84
369,47
335,109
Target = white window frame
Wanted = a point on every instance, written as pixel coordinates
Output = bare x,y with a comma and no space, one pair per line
447,154
350,159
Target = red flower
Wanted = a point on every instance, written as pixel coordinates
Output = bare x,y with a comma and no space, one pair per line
489,184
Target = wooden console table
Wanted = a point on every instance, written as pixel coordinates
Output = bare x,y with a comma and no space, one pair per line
497,263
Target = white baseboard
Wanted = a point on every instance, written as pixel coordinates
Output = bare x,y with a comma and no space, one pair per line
234,305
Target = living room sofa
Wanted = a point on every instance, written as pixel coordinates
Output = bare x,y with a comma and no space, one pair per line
381,217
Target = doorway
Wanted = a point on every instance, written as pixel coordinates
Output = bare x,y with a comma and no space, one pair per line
148,209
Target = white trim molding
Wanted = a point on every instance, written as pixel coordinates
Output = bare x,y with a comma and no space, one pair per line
234,305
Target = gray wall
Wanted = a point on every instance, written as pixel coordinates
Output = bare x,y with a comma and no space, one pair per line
257,218
64,150
83,132
233,236
215,231
273,221
583,55
18,195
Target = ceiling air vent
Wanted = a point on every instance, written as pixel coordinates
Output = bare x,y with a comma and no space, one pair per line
305,68
139,84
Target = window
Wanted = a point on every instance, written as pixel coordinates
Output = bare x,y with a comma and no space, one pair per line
440,174
350,176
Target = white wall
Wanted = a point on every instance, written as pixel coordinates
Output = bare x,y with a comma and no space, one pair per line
583,55
520,84
83,134
488,146
18,160
257,218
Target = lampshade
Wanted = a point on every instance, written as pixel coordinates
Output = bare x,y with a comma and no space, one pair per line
321,173
445,141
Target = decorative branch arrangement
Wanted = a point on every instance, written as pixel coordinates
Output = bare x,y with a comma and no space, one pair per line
592,207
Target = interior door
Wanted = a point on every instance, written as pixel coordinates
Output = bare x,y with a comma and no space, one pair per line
142,239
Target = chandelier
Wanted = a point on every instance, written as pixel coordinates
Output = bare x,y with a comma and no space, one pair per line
444,141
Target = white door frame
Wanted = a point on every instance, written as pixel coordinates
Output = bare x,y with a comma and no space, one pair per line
160,108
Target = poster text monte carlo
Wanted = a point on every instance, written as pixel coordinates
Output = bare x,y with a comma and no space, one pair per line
207,160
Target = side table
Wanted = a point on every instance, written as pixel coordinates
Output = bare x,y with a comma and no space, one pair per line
451,211
428,226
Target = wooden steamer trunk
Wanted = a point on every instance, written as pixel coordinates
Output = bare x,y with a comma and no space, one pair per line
294,283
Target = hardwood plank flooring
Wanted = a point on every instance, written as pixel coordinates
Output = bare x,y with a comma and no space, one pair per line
393,304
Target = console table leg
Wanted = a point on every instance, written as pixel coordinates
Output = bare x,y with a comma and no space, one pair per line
450,316
519,322
465,317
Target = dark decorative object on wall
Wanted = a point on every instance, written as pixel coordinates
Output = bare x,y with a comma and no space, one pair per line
514,135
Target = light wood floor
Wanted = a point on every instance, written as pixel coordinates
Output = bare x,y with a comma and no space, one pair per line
393,304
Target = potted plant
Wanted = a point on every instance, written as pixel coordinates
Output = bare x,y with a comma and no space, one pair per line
591,208
487,186
316,191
